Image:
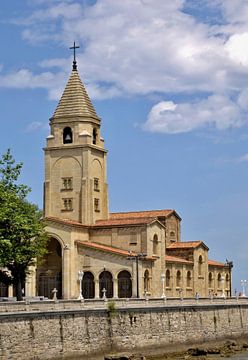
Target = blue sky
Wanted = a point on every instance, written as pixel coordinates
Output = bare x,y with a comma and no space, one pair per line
169,80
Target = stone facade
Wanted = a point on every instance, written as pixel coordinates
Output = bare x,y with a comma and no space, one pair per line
131,254
79,332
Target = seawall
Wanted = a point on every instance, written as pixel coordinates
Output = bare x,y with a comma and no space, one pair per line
52,330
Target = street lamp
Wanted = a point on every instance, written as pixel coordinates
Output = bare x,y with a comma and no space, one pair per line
243,284
163,296
136,257
80,279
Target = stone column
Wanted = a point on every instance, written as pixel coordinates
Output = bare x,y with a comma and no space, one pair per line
115,288
10,291
65,272
134,280
97,289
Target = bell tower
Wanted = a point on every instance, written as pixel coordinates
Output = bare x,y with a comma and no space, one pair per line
75,185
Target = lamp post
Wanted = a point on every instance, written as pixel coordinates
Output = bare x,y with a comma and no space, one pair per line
230,266
163,296
80,279
243,284
223,295
136,258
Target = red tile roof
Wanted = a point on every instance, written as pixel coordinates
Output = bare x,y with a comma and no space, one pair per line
141,214
177,259
119,222
186,245
110,249
216,263
65,221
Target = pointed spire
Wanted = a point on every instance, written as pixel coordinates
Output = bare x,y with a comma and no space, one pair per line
75,101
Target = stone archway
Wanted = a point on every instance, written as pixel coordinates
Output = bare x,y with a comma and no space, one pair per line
49,271
106,282
88,285
124,284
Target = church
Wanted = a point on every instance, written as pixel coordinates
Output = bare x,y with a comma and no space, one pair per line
93,253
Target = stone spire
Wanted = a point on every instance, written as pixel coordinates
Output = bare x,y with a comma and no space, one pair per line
75,101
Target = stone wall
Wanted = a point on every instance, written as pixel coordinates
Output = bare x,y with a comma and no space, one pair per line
54,333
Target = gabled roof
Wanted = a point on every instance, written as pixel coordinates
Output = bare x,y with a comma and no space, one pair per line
75,101
186,245
143,214
110,249
216,263
121,222
176,259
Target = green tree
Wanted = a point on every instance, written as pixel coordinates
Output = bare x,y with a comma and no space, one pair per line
22,234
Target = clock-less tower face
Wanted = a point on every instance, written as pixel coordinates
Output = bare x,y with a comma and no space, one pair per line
75,159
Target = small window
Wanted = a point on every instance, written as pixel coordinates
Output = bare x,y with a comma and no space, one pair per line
189,279
67,204
172,234
94,136
133,239
155,244
96,205
67,183
96,184
167,278
67,135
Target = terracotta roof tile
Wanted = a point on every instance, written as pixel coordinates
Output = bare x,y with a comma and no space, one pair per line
216,263
116,222
110,249
185,245
140,214
65,221
177,260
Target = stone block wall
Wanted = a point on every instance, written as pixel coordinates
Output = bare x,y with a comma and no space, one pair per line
84,332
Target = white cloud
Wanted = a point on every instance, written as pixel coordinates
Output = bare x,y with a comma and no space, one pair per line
146,47
218,111
36,125
243,158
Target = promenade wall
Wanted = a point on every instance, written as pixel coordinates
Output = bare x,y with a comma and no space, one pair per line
47,330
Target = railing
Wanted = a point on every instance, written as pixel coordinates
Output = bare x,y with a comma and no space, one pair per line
32,304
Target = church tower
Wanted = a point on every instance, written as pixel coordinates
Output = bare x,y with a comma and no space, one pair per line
75,159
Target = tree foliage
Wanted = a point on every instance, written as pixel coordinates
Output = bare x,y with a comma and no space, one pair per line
22,234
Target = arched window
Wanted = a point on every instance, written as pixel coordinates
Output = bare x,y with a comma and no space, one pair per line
172,234
124,284
88,285
146,281
67,135
94,136
189,279
179,279
219,280
227,280
167,278
106,282
200,262
155,244
210,280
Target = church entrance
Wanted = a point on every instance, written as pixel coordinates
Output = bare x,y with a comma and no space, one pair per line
124,285
49,271
106,282
88,286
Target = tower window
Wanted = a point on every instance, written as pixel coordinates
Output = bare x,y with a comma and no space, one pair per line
67,183
94,136
96,184
96,205
67,204
67,135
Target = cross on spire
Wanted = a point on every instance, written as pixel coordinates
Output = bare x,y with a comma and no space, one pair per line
74,47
